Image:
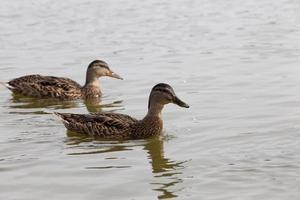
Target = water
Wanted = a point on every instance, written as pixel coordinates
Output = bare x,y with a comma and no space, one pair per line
235,62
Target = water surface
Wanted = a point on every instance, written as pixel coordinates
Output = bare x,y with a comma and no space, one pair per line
237,63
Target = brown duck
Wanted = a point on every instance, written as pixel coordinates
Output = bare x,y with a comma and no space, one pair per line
120,126
62,88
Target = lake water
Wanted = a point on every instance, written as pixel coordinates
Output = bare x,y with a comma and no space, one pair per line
237,63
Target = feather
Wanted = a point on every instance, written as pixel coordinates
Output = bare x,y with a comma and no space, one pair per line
60,87
120,126
5,84
46,86
104,125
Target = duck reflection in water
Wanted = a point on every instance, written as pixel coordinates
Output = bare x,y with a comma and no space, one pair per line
23,102
164,170
92,105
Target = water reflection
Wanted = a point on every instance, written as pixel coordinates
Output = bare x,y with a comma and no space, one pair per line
164,170
20,101
92,105
98,146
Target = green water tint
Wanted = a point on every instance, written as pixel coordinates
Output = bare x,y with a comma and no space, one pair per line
23,102
92,105
161,166
236,64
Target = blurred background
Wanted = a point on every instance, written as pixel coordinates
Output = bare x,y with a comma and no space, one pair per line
236,63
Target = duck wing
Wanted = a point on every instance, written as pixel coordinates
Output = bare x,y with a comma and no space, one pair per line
104,125
45,86
117,116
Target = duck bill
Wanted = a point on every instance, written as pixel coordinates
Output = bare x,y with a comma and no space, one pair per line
114,75
180,103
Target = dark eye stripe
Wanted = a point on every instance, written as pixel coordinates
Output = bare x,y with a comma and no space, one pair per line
164,90
104,66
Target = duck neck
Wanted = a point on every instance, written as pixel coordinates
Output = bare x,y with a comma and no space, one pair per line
154,110
151,124
91,80
91,88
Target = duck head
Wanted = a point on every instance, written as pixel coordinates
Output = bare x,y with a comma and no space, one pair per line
162,94
99,68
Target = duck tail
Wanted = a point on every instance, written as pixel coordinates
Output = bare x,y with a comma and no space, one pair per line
6,84
61,117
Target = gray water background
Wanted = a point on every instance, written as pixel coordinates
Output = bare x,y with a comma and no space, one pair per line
237,63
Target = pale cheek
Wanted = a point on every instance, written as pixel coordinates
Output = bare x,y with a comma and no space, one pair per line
101,73
166,101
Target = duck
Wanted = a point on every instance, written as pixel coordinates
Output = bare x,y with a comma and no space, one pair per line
39,86
116,126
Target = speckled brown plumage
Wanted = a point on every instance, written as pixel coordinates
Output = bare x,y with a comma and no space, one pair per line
90,92
112,125
62,88
120,126
46,86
